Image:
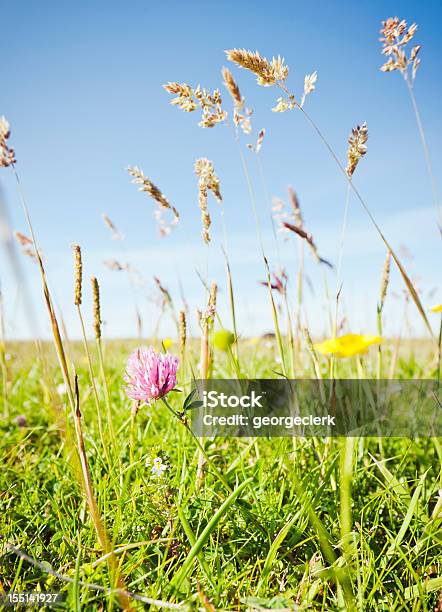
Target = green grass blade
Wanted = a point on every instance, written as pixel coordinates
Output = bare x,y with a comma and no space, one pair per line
408,516
192,539
210,527
276,544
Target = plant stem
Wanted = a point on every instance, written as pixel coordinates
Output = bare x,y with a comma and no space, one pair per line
340,257
216,472
411,289
439,351
275,319
106,389
47,297
3,363
92,379
232,309
102,536
426,152
346,469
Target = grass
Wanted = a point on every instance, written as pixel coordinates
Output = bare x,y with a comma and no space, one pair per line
273,541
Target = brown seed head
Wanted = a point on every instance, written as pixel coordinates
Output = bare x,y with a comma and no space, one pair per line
7,154
116,235
167,298
113,264
356,147
205,217
189,99
232,88
213,294
78,274
206,173
22,239
182,326
268,73
296,209
208,181
308,341
395,37
385,280
149,187
309,239
97,309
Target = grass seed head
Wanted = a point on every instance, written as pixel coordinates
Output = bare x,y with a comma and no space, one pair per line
189,99
310,241
208,181
357,147
213,294
78,274
97,309
27,245
309,85
385,280
395,37
146,185
182,327
113,264
268,73
7,154
232,88
116,235
296,209
22,239
208,316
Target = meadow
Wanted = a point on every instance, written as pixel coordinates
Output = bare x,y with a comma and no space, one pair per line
107,496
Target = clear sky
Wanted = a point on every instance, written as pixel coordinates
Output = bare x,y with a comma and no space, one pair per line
82,88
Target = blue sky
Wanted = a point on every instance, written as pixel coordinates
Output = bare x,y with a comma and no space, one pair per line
81,87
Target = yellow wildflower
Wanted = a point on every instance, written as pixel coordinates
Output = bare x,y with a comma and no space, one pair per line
167,343
348,345
437,308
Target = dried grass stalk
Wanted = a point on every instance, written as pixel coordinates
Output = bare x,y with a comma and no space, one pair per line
116,235
296,208
78,275
268,73
208,181
97,307
7,154
189,99
167,298
309,239
395,37
356,147
309,85
146,185
27,245
385,280
257,147
182,328
232,88
113,264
